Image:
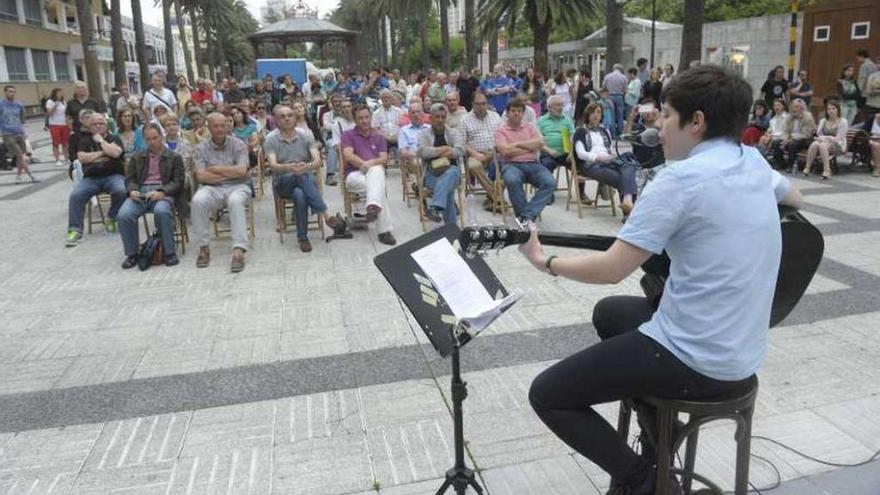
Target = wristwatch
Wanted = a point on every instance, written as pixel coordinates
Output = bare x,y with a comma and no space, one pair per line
547,264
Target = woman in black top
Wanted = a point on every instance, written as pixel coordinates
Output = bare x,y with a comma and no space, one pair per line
776,86
582,98
652,88
850,93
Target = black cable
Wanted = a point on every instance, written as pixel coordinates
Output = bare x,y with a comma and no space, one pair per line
820,461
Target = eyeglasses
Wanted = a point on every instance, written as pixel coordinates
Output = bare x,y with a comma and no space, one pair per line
261,108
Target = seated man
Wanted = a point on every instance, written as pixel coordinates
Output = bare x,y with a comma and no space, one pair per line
872,127
386,118
592,147
293,157
456,112
478,131
440,149
518,145
221,169
103,166
800,132
365,154
557,130
409,138
153,178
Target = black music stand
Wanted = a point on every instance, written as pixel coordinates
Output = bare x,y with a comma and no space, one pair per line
446,334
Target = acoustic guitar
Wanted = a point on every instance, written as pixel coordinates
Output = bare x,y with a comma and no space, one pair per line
802,249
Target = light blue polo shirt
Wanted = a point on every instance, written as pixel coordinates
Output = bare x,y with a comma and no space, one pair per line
715,215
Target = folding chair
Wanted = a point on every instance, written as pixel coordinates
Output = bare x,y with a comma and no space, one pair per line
603,191
498,203
422,197
249,213
260,170
181,234
99,200
349,199
407,178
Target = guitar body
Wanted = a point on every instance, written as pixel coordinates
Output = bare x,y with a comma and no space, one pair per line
802,249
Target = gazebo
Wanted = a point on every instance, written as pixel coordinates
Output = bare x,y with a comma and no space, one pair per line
302,25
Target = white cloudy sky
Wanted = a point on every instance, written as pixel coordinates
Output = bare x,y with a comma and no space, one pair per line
153,15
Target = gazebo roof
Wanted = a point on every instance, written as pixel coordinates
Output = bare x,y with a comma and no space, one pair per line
302,28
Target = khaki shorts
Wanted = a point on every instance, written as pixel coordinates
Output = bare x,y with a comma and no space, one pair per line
15,145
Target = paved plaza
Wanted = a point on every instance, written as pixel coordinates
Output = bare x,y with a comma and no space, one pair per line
304,374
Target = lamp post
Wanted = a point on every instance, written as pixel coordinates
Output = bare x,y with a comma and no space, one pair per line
653,26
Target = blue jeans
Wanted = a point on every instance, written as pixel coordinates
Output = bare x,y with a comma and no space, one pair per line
619,174
550,163
86,188
515,174
302,190
332,159
619,113
132,209
444,192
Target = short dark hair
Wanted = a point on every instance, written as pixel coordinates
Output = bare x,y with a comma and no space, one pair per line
360,106
863,52
8,87
642,61
633,71
515,103
721,95
154,126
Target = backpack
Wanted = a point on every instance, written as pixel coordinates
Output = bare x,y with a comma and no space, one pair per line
151,252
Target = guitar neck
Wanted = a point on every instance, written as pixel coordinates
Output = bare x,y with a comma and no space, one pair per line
578,241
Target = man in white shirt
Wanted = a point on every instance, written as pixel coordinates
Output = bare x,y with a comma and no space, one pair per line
158,94
409,138
478,130
456,112
386,118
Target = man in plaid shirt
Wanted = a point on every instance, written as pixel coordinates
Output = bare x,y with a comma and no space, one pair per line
478,130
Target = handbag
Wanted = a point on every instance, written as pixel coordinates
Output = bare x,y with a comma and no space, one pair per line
439,165
151,252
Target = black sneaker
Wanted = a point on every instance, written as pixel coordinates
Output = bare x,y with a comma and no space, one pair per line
130,262
433,214
171,260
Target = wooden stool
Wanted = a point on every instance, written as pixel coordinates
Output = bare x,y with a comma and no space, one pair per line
738,409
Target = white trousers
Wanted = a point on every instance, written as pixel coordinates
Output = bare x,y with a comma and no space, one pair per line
373,185
209,199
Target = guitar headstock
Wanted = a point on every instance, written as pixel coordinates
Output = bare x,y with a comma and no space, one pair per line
476,240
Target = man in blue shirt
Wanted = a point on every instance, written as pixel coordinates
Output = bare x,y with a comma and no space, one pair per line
714,211
12,129
499,89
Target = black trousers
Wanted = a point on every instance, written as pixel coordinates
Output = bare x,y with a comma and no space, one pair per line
625,364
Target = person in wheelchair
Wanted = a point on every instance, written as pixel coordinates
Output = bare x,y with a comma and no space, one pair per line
592,146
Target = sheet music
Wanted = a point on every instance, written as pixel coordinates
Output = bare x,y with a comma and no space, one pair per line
461,289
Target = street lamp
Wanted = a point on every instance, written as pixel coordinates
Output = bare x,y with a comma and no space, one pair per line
653,30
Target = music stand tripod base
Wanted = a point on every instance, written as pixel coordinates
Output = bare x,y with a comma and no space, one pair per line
459,477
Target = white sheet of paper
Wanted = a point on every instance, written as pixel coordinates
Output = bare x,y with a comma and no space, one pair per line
453,278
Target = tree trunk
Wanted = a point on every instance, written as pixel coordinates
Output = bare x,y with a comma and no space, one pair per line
493,51
470,58
423,38
394,43
444,35
140,44
541,42
613,35
170,66
692,33
197,43
382,43
90,48
120,78
187,58
221,55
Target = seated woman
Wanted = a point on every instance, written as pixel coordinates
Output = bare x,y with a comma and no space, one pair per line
127,131
305,123
265,120
185,122
830,139
770,143
759,121
245,129
592,146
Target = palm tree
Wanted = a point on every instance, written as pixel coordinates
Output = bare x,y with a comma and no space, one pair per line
90,53
169,39
541,16
470,58
187,58
119,75
613,33
140,44
191,9
444,34
692,32
420,9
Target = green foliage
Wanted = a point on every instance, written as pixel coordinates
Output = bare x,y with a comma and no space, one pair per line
716,10
413,56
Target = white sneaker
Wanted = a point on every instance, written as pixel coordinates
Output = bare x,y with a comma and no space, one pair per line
59,163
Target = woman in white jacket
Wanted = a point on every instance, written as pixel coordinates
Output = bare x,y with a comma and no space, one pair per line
830,139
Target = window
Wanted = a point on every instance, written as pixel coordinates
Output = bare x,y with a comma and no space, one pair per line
41,65
33,12
151,55
861,30
821,33
16,64
8,10
62,71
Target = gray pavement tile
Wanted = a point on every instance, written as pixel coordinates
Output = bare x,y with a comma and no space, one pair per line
334,465
227,428
149,442
164,361
28,376
555,475
857,418
100,368
239,471
323,415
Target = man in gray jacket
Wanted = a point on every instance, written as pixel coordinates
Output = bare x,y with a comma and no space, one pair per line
440,150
